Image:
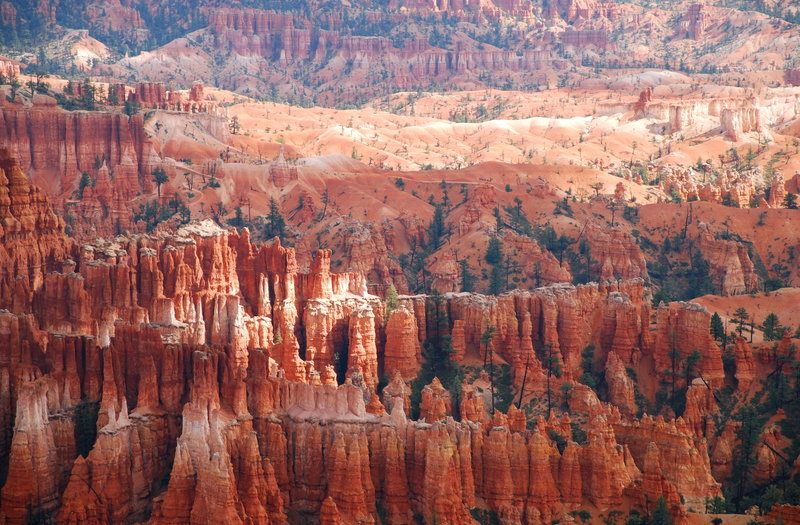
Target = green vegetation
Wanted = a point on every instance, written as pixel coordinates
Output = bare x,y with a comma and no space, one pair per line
740,317
436,354
590,376
494,251
674,279
717,328
153,213
772,328
485,517
159,178
467,277
85,182
84,418
391,300
274,224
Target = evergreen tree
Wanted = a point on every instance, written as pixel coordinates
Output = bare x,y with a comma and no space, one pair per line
675,359
15,85
748,436
437,229
790,426
85,181
553,365
661,513
467,277
159,177
494,251
517,219
113,98
391,301
717,328
587,364
132,107
88,98
237,221
692,361
772,328
275,225
790,201
496,281
437,354
699,282
553,242
234,125
488,356
740,317
772,496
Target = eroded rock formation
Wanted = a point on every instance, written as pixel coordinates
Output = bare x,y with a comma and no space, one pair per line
190,375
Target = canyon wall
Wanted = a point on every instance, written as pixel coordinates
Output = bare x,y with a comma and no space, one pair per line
179,376
56,146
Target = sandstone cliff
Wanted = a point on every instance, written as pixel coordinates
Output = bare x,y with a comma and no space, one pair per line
193,374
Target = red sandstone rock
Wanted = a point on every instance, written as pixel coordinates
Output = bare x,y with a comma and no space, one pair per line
620,386
788,514
543,496
697,20
55,163
570,483
346,485
472,406
402,352
617,254
329,513
33,468
676,447
32,241
731,269
205,326
685,327
701,406
745,365
435,404
645,97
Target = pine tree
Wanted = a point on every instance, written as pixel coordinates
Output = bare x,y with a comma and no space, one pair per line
437,229
275,225
237,221
391,301
496,281
467,277
717,328
748,436
772,328
740,317
488,356
437,354
692,360
661,513
83,183
88,96
517,219
675,359
159,177
132,107
553,365
494,251
15,85
234,125
790,201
